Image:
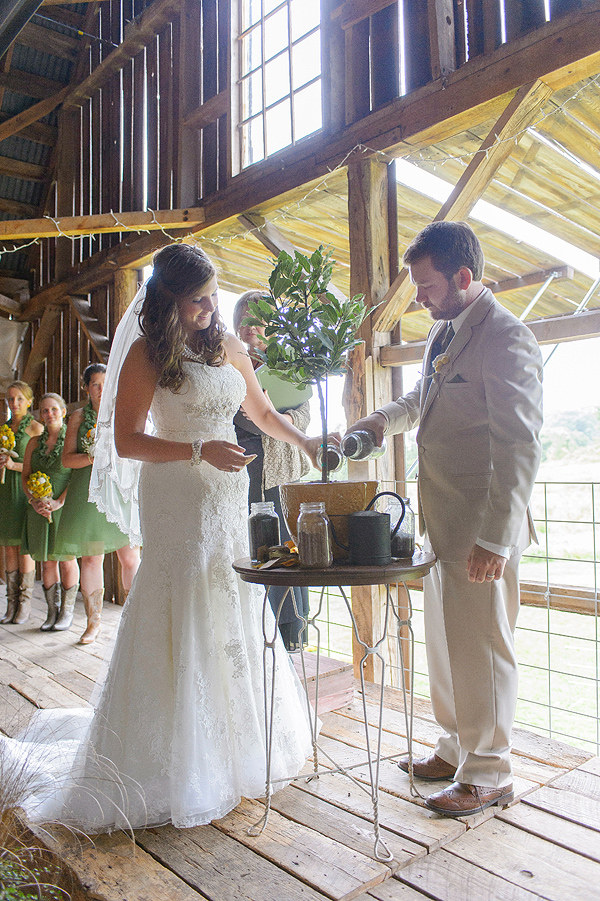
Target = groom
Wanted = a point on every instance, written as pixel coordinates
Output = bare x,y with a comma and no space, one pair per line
478,406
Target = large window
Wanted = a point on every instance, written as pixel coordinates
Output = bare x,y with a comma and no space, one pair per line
279,75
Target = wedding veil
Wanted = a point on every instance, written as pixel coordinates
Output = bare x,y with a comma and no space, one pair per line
114,480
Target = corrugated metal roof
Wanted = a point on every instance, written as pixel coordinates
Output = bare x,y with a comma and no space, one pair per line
35,62
20,189
18,148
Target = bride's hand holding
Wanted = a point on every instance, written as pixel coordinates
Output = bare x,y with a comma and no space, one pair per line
312,445
225,456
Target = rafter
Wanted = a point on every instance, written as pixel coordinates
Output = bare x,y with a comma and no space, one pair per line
41,344
494,151
100,224
137,35
91,327
31,114
553,330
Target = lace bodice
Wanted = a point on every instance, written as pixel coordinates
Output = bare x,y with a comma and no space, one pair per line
205,405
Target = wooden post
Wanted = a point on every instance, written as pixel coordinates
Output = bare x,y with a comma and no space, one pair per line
125,285
368,218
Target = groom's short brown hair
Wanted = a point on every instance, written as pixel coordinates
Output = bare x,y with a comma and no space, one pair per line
451,246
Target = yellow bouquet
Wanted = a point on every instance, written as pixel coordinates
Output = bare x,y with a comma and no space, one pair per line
7,446
89,441
40,486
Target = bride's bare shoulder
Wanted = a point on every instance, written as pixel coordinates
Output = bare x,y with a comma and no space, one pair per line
235,351
138,362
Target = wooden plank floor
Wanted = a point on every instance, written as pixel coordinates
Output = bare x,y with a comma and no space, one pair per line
318,843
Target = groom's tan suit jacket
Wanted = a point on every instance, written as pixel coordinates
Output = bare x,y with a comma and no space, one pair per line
479,419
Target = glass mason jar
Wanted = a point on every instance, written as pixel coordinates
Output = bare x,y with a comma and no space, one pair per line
361,446
335,458
314,540
263,527
403,542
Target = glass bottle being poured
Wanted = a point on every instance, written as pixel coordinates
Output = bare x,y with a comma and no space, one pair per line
361,445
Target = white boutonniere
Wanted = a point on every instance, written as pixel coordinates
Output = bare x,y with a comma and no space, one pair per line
439,362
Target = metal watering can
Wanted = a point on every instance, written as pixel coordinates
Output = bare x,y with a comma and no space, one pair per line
370,534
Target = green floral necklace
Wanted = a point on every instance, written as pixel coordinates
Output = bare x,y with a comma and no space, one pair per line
22,425
52,455
90,416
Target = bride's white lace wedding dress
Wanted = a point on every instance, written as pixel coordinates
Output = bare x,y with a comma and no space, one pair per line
178,732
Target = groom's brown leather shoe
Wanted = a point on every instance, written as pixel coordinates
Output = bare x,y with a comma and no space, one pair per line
432,767
462,800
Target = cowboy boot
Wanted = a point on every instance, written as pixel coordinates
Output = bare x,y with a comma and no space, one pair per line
65,617
52,596
12,596
93,608
25,595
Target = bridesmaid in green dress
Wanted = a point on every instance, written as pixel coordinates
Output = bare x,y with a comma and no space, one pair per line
20,568
60,574
84,530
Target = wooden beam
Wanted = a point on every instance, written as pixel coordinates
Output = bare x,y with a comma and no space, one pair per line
553,330
19,169
32,114
441,37
469,96
271,238
8,305
92,328
22,82
268,235
532,278
137,35
354,11
494,151
38,132
41,344
16,208
103,223
208,112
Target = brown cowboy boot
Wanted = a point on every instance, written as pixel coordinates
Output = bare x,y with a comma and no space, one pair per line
65,617
12,596
93,609
25,595
52,596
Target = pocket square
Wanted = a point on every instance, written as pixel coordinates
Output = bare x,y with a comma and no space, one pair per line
456,379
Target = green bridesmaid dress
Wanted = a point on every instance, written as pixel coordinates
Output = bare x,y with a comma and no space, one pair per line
84,530
13,500
39,535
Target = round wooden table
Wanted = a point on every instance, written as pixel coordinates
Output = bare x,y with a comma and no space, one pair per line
341,576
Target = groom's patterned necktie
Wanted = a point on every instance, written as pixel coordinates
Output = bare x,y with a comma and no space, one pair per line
440,344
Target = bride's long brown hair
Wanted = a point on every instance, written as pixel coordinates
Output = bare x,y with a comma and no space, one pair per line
179,270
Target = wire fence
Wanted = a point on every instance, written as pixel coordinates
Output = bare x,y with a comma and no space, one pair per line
558,630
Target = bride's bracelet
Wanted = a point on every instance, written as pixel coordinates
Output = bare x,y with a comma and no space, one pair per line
196,451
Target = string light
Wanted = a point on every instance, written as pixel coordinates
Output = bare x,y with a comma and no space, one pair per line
287,215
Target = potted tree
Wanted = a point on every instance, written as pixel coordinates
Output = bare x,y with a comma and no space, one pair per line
308,333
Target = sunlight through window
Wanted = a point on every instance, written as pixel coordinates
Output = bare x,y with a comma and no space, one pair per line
279,75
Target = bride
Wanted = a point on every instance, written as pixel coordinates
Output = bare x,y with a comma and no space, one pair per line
178,732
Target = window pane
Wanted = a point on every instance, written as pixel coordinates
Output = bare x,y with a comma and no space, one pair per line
252,142
307,110
250,13
277,79
270,5
252,94
251,51
306,59
306,14
279,127
276,33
